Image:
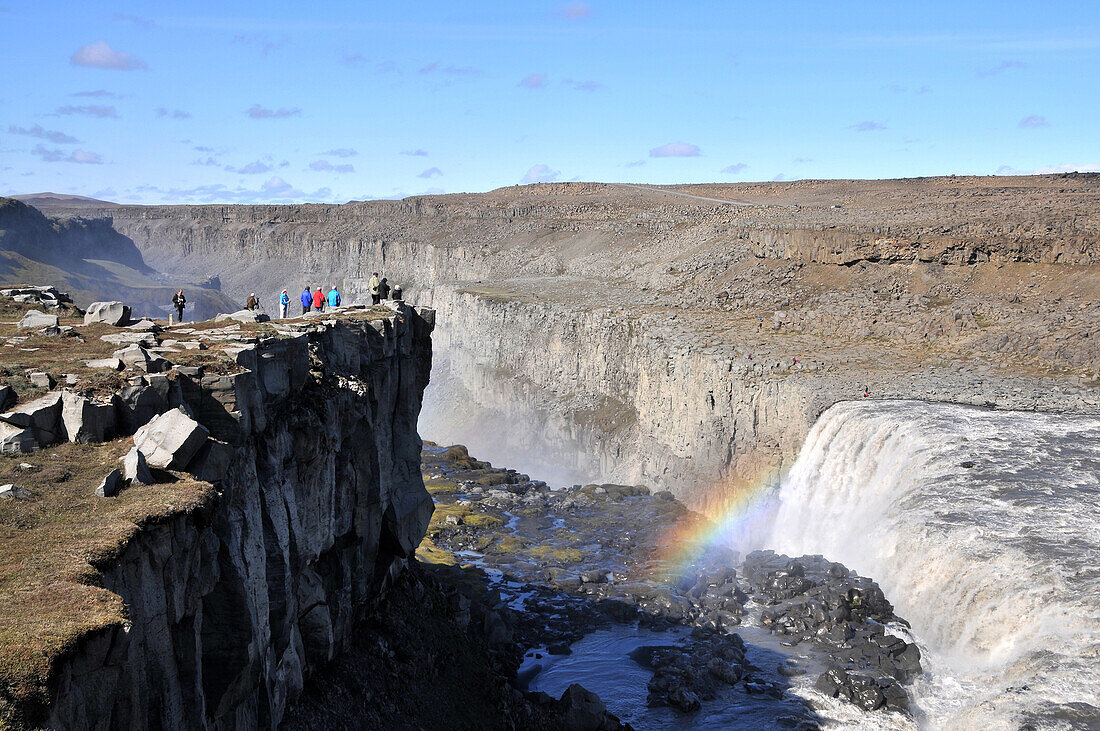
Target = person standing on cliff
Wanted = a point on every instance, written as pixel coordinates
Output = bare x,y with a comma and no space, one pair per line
284,305
334,297
318,300
179,302
373,284
307,300
252,303
383,289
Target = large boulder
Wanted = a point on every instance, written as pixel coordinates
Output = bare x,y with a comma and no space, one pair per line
170,440
112,313
41,416
212,461
139,357
136,469
85,421
16,440
14,492
243,316
115,364
127,338
35,320
111,484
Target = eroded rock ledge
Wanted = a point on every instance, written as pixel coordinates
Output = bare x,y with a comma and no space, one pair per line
223,600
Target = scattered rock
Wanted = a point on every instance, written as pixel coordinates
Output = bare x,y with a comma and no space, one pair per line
35,320
243,316
114,364
85,421
136,469
14,492
42,380
112,313
138,357
111,484
171,440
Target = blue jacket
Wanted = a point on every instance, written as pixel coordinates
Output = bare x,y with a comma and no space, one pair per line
333,298
307,299
284,299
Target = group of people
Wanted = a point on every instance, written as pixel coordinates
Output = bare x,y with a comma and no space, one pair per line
310,299
315,300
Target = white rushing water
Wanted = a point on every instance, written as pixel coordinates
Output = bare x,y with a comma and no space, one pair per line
983,528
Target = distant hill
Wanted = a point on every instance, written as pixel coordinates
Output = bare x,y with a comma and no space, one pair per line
91,261
61,199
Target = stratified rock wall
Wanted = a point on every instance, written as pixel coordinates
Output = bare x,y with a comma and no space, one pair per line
320,506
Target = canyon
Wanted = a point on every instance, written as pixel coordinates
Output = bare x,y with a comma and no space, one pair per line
688,337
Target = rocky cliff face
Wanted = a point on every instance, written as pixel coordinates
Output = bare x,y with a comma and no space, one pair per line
318,507
689,337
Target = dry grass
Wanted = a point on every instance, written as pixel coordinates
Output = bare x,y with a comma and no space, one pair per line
51,547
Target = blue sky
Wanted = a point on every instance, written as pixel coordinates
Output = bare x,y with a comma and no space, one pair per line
330,101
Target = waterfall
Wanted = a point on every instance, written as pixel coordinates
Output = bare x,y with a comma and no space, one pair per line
983,528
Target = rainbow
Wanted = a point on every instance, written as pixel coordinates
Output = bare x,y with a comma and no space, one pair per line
734,521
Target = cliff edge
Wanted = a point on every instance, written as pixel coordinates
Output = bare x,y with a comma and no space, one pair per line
271,493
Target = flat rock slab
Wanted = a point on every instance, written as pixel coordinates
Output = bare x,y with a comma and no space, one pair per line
112,313
114,364
145,325
243,316
128,338
170,440
139,357
35,320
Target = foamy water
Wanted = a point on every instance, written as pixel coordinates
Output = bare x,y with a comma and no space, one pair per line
995,563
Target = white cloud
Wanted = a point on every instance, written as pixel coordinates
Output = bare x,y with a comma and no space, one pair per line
258,112
437,68
254,168
541,174
675,149
58,138
173,113
533,81
1034,121
89,110
575,10
100,55
326,166
98,93
999,69
82,157
342,152
136,20
430,173
586,85
868,126
734,168
415,153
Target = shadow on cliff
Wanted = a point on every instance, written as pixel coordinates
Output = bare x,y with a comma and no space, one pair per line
92,261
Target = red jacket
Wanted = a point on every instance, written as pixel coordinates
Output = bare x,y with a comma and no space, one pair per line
318,298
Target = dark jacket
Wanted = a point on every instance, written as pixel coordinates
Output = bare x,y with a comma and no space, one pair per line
179,300
383,289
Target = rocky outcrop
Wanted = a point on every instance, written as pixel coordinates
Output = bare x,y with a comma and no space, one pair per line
637,334
320,503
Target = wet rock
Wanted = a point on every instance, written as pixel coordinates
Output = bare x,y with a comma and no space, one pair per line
583,710
112,313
